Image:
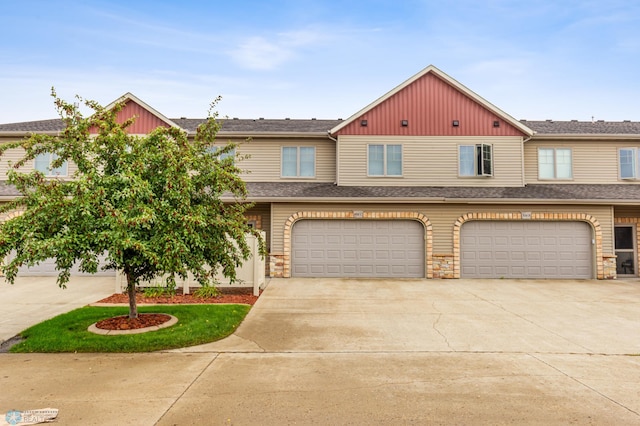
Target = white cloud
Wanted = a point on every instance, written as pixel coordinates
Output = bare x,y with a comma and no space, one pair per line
260,54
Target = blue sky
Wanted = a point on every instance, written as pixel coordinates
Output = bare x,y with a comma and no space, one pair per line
534,59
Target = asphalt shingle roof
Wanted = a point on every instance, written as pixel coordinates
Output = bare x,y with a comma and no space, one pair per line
551,192
260,126
549,127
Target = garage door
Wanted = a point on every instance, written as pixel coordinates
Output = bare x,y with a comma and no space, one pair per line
358,248
526,250
47,268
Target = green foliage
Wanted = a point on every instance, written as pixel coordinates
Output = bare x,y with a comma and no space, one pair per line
159,290
152,204
197,324
206,291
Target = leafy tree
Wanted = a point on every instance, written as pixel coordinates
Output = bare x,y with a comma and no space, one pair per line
152,203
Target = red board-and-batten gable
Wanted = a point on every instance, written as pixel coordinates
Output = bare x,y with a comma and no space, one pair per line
430,101
147,118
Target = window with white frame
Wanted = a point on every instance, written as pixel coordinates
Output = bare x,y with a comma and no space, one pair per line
298,161
554,163
475,160
384,160
215,148
629,162
42,163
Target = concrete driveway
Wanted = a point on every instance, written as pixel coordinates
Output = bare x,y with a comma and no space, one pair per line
34,299
319,351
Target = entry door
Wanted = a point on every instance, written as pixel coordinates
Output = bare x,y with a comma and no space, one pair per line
626,261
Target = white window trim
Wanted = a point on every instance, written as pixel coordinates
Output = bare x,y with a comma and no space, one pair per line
49,172
384,160
477,167
636,163
555,163
297,176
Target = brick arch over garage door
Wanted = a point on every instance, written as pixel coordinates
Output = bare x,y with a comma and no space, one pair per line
517,216
348,215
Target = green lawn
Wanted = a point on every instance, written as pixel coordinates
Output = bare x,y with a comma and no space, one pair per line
197,324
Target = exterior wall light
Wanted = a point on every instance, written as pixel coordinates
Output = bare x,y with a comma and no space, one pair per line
455,123
404,123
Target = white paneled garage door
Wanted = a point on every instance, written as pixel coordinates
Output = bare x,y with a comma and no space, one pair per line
358,248
526,249
48,269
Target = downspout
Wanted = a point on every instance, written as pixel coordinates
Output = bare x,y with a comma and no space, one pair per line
524,180
337,157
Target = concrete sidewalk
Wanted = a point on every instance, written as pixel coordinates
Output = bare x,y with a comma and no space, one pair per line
34,299
370,352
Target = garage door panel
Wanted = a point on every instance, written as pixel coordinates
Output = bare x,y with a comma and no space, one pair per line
358,248
47,268
535,249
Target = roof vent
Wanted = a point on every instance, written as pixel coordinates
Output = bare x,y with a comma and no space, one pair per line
261,118
574,121
183,118
235,118
287,118
313,118
626,121
549,121
600,121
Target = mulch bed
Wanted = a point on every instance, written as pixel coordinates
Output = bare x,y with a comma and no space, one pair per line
227,295
126,323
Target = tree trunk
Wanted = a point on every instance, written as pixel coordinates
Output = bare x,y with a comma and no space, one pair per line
131,291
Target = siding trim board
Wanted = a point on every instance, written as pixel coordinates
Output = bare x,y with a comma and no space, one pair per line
601,273
351,215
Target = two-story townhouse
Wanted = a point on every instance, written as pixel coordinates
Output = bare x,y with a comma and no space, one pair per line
430,181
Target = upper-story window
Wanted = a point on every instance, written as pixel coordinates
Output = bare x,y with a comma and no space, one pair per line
42,163
554,163
475,160
629,163
298,161
215,148
384,160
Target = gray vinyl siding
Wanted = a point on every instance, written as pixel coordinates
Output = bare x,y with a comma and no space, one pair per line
442,218
264,162
430,161
594,162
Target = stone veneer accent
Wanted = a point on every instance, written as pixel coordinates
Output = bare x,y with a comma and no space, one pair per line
443,265
257,219
581,217
280,264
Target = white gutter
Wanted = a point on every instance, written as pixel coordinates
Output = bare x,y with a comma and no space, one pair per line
585,136
432,200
